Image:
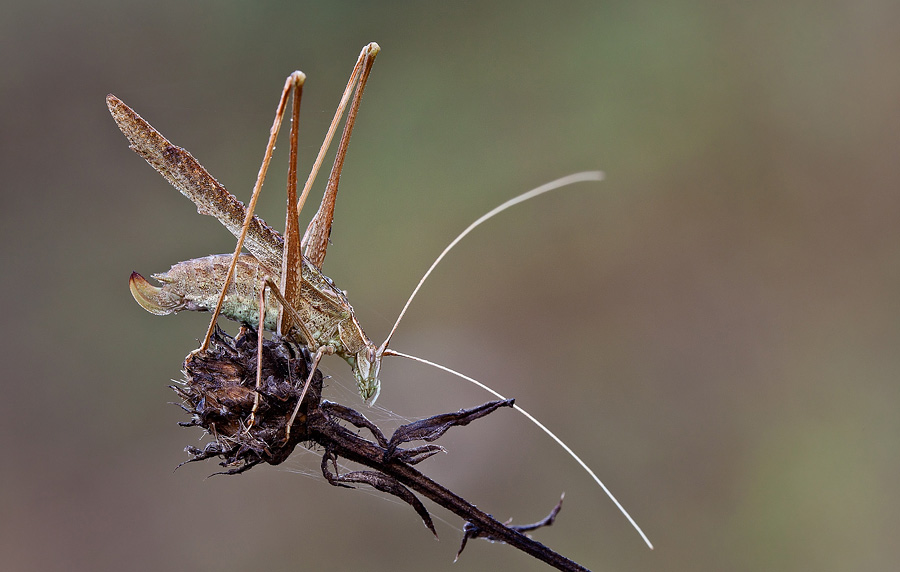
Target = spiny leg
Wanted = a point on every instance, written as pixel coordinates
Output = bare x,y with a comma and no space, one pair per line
315,240
295,318
293,83
305,336
312,371
259,353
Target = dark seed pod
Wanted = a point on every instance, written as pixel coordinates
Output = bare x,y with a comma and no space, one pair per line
219,391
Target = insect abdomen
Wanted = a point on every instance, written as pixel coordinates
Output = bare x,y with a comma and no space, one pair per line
195,285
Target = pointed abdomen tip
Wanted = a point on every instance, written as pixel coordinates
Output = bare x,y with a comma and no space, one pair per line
150,297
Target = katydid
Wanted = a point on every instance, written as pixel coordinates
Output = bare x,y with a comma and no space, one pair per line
280,284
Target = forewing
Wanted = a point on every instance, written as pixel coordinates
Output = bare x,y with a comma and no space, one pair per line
193,181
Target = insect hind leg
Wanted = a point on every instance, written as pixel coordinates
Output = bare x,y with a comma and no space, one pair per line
293,84
315,239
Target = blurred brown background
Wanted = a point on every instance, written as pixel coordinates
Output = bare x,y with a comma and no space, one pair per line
714,328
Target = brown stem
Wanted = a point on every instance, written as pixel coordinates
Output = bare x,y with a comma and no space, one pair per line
346,444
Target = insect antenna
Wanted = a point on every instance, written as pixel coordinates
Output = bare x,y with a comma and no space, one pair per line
383,350
542,427
545,188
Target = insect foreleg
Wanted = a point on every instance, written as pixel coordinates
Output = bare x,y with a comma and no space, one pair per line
323,350
304,335
259,352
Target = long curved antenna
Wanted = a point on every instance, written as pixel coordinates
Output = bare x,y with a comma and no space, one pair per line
546,188
531,418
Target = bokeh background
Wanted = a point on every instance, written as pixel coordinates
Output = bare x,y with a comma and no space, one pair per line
715,327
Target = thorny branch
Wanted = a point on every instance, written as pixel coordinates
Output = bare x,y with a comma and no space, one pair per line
219,393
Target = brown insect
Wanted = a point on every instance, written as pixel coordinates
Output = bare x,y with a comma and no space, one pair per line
280,284
304,305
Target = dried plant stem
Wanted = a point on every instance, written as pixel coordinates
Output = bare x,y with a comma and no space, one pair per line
348,445
221,392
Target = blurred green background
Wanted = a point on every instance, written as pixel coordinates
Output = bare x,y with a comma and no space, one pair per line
715,327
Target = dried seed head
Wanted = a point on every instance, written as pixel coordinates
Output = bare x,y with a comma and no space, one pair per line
219,392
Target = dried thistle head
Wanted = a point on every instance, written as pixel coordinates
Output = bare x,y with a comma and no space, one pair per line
219,391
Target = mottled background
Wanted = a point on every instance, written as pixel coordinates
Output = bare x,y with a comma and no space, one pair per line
715,327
